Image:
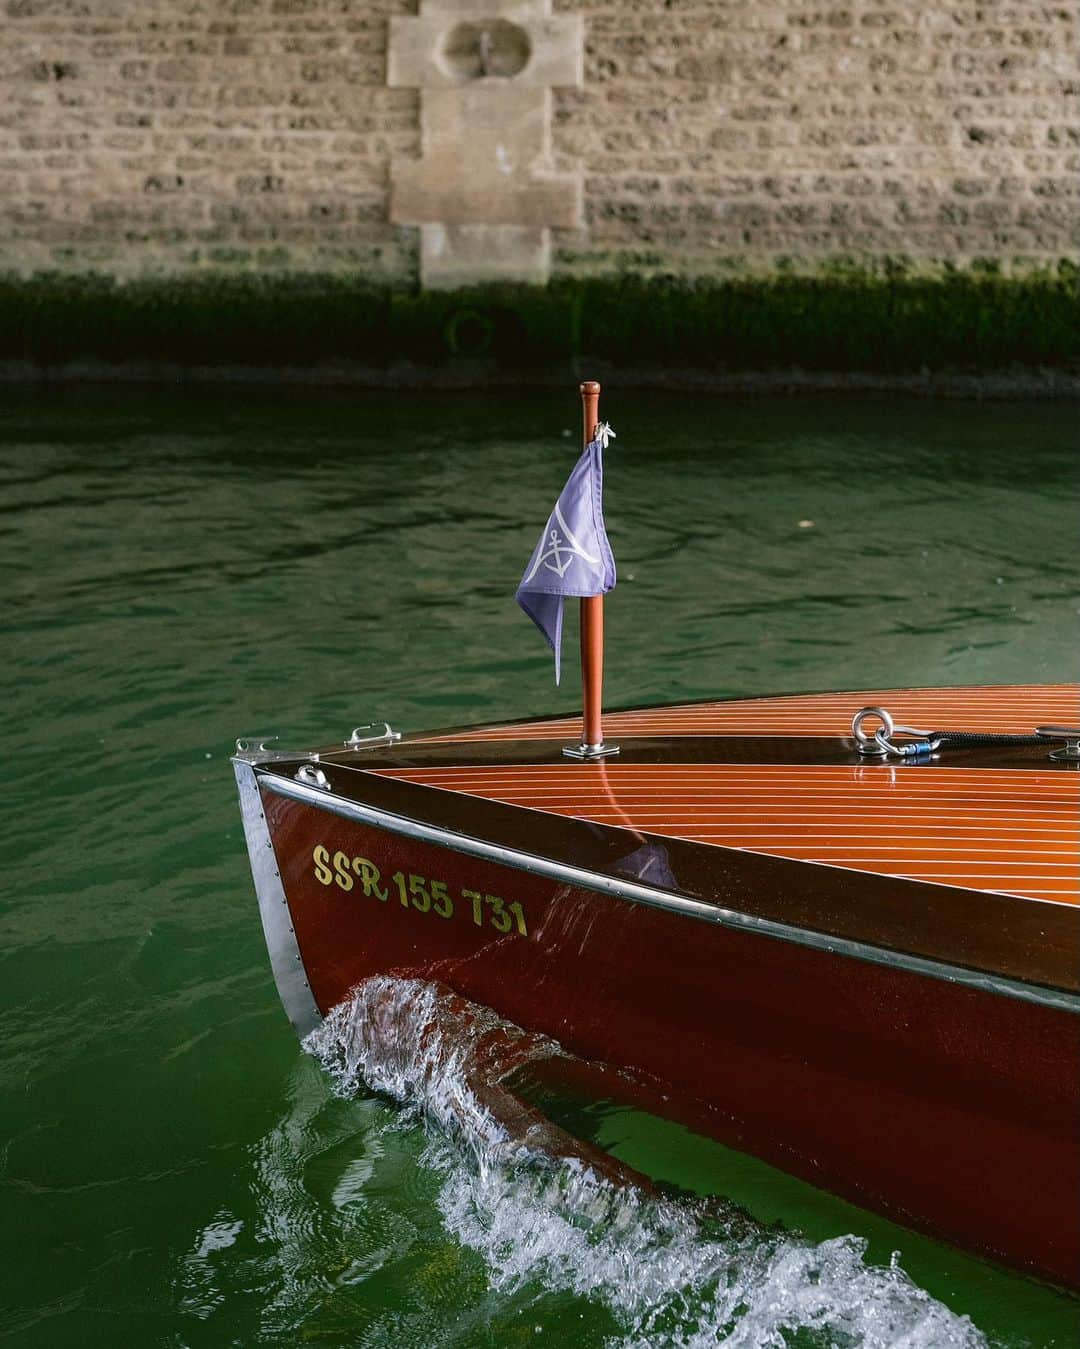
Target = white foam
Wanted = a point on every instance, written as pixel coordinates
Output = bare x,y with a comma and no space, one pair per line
682,1273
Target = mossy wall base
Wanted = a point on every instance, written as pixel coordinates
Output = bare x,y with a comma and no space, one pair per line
854,322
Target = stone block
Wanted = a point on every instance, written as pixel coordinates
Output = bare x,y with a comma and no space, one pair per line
463,255
483,162
492,43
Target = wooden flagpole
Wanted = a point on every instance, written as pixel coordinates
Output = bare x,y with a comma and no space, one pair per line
592,626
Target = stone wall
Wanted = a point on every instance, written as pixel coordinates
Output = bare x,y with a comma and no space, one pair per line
710,136
141,136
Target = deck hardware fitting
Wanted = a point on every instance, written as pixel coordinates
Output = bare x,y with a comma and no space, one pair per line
260,749
1070,750
386,736
589,752
880,745
312,776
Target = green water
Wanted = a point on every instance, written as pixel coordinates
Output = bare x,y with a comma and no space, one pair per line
180,569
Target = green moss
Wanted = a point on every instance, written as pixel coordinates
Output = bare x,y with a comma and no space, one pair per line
893,320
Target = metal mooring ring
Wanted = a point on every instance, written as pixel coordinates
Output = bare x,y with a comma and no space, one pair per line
871,744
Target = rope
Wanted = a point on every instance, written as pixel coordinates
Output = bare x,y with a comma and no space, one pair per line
969,739
879,742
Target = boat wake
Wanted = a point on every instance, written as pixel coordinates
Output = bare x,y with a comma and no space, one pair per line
545,1209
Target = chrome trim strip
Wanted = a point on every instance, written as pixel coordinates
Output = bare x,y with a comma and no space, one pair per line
285,959
663,899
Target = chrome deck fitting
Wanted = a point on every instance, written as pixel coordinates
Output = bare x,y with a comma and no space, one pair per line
1070,750
386,736
587,752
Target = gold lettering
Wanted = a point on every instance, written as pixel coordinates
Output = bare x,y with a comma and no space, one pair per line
441,901
369,877
416,892
420,897
477,901
500,919
320,857
341,867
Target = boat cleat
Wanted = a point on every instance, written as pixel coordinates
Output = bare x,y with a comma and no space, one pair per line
1070,750
361,739
260,749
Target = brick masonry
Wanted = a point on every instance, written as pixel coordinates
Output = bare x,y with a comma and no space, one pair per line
151,137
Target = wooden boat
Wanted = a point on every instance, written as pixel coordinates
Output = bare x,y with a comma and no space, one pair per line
861,967
867,973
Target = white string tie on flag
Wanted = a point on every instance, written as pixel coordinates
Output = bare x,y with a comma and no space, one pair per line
603,434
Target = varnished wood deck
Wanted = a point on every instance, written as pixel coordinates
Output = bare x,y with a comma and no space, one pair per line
1011,831
1002,709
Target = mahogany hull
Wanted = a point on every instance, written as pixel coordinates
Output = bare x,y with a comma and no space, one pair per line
949,1107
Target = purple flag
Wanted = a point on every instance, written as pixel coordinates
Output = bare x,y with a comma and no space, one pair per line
573,556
